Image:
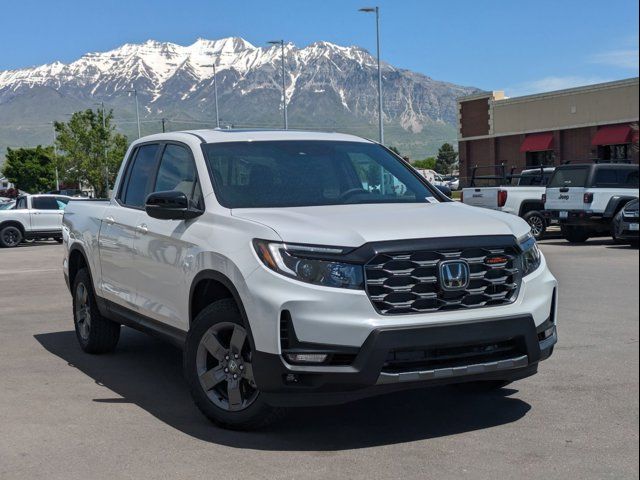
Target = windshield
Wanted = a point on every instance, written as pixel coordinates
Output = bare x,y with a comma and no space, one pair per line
309,173
569,177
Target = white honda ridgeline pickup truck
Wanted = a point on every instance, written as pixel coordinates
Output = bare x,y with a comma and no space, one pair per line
300,268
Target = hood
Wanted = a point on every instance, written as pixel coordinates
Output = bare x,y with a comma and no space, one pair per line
355,225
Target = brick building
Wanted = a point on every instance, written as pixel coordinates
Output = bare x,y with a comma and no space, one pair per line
595,122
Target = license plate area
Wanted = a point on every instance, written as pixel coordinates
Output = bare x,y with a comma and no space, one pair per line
634,227
564,215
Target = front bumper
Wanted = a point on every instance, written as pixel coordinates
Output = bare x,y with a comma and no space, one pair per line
372,372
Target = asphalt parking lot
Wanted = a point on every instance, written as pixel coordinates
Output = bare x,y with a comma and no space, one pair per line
68,415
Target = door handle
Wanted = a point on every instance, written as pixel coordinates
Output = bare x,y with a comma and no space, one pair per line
109,220
142,229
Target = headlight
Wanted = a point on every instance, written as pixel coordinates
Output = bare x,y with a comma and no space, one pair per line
531,256
302,263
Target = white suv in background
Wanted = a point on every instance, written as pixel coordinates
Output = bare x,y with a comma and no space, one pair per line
300,268
32,217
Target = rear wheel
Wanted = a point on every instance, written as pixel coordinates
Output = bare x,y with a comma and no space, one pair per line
10,236
537,223
95,333
219,371
575,234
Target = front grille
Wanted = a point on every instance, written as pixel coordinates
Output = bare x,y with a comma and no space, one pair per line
451,357
408,282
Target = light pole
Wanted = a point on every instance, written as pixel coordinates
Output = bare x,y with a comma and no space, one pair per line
135,94
215,94
284,82
55,155
376,10
106,162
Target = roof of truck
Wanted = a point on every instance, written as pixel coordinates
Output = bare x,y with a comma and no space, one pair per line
231,135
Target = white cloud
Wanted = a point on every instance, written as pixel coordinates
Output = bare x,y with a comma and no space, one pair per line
549,84
625,59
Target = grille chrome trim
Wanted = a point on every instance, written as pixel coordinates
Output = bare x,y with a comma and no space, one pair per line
408,282
507,364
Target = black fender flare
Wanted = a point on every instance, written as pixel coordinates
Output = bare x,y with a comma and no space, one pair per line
228,284
16,223
615,204
525,207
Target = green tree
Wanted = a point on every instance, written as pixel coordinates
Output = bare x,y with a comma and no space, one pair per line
90,152
428,163
447,159
30,169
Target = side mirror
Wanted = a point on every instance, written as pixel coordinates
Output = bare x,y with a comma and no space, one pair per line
171,205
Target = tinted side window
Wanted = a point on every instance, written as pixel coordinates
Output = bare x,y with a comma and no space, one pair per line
605,178
140,177
21,204
44,203
177,171
617,178
630,179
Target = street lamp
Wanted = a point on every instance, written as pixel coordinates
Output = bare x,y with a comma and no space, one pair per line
106,161
376,10
284,84
55,155
215,93
135,94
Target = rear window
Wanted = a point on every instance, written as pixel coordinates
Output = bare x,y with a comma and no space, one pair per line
569,177
534,179
616,178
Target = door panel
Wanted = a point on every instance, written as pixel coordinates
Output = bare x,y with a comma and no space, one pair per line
163,251
118,231
45,214
163,258
117,235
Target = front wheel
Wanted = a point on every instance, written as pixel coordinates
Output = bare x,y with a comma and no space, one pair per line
10,236
575,234
537,223
219,371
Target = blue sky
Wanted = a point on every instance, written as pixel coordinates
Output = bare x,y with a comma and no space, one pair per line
519,46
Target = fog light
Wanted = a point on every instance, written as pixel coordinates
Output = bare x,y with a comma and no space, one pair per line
548,332
306,357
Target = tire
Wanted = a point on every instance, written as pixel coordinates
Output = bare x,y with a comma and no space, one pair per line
95,333
218,350
537,223
10,236
482,386
575,234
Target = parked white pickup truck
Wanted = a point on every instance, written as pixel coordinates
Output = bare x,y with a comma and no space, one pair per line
32,217
523,199
585,198
304,268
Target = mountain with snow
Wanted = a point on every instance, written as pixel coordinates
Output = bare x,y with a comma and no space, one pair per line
328,87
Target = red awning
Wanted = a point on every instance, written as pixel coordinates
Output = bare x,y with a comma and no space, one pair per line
537,142
612,135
